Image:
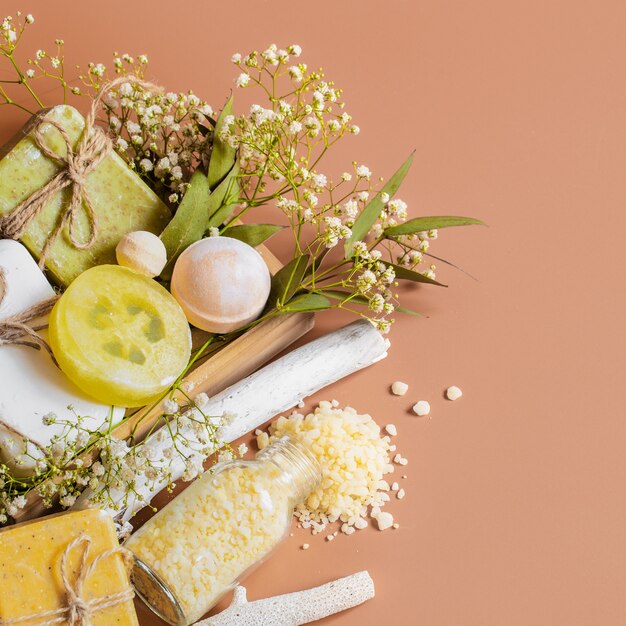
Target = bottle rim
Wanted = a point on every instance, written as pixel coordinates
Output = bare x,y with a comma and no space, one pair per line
298,462
144,568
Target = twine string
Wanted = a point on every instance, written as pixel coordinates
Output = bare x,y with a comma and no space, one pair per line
17,330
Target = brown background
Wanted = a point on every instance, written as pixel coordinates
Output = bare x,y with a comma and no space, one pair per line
515,505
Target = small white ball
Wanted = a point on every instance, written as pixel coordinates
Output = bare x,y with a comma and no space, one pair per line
421,408
142,252
453,393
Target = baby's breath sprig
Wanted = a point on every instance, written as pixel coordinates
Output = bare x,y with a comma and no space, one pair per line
282,147
115,470
165,137
64,469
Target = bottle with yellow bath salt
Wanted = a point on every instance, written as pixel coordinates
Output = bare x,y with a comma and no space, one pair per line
202,543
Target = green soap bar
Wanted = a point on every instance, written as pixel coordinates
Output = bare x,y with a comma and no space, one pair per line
122,202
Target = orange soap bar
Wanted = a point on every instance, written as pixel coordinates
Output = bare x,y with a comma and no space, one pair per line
31,581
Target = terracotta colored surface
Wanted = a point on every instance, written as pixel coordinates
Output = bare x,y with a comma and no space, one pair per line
515,494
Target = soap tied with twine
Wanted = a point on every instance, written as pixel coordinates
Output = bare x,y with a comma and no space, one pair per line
17,330
79,611
93,146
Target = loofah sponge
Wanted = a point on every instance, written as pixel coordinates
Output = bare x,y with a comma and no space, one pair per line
300,607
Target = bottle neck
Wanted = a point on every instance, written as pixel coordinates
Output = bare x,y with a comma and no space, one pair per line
300,468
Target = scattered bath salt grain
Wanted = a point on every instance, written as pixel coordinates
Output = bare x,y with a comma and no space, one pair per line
263,440
305,546
384,520
453,393
399,388
242,449
391,430
395,487
421,408
401,493
354,458
396,526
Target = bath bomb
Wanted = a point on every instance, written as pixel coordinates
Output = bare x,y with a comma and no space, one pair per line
142,252
221,283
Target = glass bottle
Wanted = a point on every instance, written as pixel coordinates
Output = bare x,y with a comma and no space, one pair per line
202,543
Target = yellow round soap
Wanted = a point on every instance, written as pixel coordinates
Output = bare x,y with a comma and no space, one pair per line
119,336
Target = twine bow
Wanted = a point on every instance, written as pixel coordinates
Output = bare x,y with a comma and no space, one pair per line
16,329
93,146
79,611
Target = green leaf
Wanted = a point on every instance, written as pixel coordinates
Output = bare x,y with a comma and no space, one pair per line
287,281
316,262
308,302
346,296
252,234
420,224
189,223
224,198
402,309
403,273
370,213
223,155
360,299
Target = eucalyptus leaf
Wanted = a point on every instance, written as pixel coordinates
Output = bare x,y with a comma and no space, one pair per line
346,296
189,223
287,281
403,273
224,198
223,155
317,261
252,234
359,299
420,224
367,218
406,311
308,302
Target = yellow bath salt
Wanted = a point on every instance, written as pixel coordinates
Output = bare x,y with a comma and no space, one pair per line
354,457
200,544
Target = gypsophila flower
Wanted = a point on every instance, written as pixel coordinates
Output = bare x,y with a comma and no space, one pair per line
170,406
295,50
242,80
296,73
363,171
157,126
